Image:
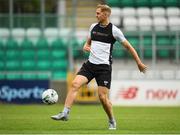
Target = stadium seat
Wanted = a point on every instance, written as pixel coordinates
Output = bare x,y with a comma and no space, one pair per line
28,54
143,12
136,75
64,34
142,3
145,24
1,44
116,21
11,44
12,54
174,23
59,75
130,24
33,34
42,43
147,40
13,65
27,44
51,34
2,54
147,43
58,54
2,76
18,34
59,64
42,49
158,12
116,11
123,74
127,3
76,48
43,54
162,39
13,76
43,65
2,65
170,3
128,12
58,44
162,42
163,54
81,34
172,12
27,50
29,76
175,40
43,76
168,74
85,55
157,3
177,74
148,53
2,50
118,51
115,16
134,40
160,24
4,34
28,65
114,3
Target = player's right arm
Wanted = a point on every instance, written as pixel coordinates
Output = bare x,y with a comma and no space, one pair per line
87,45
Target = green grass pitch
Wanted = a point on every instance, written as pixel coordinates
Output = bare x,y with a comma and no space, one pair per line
88,119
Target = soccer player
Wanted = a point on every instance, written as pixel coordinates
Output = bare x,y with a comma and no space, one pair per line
102,36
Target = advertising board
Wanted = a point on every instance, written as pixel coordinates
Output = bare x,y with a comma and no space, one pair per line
22,91
144,93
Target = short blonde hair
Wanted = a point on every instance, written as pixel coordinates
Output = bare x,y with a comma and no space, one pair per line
104,8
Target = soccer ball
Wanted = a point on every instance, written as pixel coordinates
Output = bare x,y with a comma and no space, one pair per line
49,96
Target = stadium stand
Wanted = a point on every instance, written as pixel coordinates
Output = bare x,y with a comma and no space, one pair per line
29,55
152,26
156,21
143,3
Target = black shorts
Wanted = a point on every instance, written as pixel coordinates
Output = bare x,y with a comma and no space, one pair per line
101,72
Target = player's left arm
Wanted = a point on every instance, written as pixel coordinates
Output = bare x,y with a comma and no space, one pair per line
142,67
119,36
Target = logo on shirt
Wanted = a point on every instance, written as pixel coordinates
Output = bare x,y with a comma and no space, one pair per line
99,34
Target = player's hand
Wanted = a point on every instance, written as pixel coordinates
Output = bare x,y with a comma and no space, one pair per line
86,48
142,67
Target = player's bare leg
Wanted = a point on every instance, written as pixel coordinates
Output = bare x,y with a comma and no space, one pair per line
103,96
76,84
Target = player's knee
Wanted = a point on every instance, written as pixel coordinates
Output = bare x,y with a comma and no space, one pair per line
76,85
102,96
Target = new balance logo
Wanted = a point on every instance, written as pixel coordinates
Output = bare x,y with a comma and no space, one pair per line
129,93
